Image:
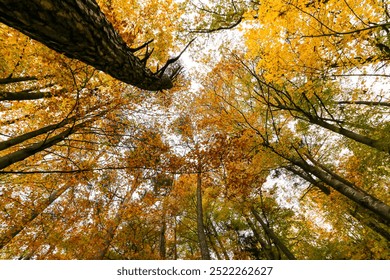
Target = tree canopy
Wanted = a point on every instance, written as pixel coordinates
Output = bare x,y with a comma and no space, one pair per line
267,138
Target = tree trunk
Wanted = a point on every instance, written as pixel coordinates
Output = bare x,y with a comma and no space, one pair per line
346,188
24,153
321,186
79,29
14,230
11,80
163,242
220,243
273,236
29,135
23,95
264,246
382,145
204,250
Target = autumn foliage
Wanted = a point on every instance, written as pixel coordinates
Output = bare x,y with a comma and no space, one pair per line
275,145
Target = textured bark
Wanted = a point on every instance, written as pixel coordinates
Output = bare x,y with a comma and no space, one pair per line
78,29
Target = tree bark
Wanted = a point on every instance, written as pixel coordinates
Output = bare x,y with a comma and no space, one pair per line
264,246
79,29
220,243
11,80
163,241
204,250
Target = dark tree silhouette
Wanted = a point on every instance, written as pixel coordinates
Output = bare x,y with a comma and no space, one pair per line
79,29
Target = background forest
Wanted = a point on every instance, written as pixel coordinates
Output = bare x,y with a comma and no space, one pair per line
270,141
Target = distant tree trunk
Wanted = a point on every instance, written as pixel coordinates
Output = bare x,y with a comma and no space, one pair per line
13,231
29,135
372,224
199,218
162,247
24,153
175,256
112,229
79,29
214,247
273,236
12,96
264,246
220,243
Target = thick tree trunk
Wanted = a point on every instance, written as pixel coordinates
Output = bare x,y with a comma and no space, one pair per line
78,29
199,218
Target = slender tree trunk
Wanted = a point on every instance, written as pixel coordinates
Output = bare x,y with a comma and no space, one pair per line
175,256
273,236
265,247
11,80
13,231
29,135
111,230
24,153
214,247
382,145
23,95
204,250
321,186
368,103
79,29
220,243
162,245
372,224
346,188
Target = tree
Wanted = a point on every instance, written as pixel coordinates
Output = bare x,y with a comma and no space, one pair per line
80,30
274,148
